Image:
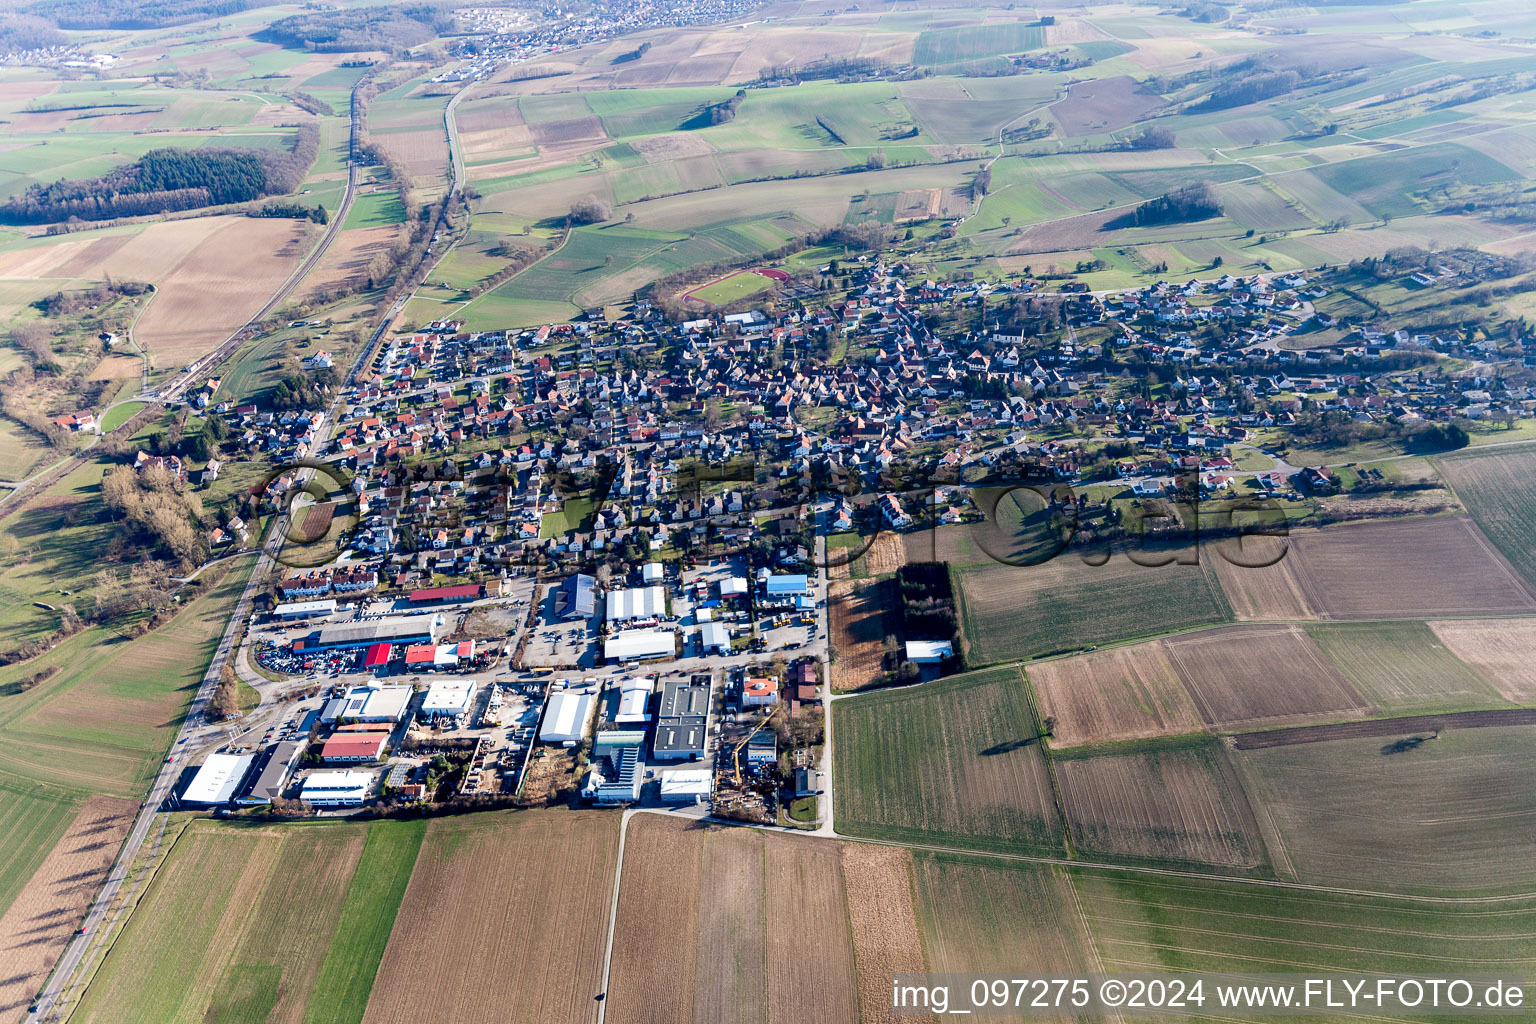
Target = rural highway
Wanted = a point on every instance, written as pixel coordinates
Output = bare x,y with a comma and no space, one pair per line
179,386
49,1003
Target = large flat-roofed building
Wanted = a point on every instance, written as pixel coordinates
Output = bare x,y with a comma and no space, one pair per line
566,716
689,786
615,777
640,645
273,779
577,597
681,721
368,704
448,699
440,595
784,588
636,603
347,788
414,629
218,780
354,746
304,609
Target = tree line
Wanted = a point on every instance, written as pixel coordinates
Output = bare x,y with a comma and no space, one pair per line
365,28
1196,201
168,180
128,14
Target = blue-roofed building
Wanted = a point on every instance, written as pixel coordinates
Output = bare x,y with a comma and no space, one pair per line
784,590
577,597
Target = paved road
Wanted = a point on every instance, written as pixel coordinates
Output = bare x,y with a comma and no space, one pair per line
179,386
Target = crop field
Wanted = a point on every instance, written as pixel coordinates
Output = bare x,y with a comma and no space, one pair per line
39,922
1261,582
1165,804
956,760
973,42
220,284
1449,815
476,916
32,820
346,261
1125,693
103,721
882,917
862,614
756,928
236,922
1145,924
1404,667
981,916
1380,569
1254,677
1496,486
1012,612
1497,650
211,273
1103,105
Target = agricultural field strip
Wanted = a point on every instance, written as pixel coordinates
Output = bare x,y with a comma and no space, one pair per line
1258,175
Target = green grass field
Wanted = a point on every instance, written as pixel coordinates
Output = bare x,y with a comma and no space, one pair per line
32,819
1499,489
243,923
120,414
955,761
732,289
374,210
1015,612
1403,668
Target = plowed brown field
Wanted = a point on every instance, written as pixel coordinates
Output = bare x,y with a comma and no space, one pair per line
35,929
502,915
1180,804
1258,591
1247,677
1407,569
726,924
862,613
1126,693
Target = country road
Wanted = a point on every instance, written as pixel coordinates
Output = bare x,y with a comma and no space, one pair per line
204,365
81,948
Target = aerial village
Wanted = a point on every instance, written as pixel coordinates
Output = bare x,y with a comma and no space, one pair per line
589,561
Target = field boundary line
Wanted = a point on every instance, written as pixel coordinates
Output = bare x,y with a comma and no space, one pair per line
613,915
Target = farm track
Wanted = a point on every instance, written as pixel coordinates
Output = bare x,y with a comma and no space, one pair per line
1383,727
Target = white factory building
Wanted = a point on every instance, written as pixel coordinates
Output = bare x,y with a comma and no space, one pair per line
688,786
217,781
636,603
640,645
566,716
368,704
448,699
337,789
304,609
